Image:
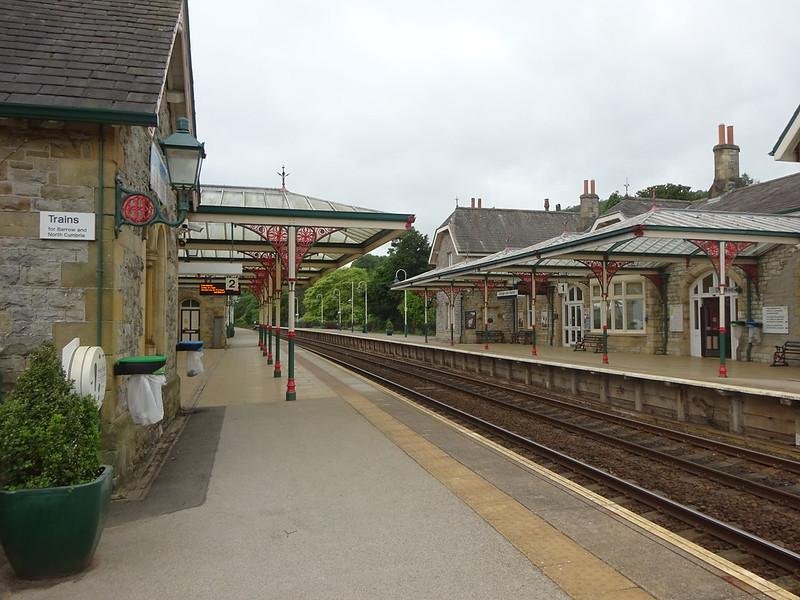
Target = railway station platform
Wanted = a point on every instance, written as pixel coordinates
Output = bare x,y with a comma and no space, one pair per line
353,492
756,401
741,374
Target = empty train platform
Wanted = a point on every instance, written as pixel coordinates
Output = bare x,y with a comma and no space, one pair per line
353,492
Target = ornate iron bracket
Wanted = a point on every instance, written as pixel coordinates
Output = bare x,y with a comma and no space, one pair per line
140,210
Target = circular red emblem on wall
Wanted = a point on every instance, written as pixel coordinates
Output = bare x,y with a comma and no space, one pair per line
138,209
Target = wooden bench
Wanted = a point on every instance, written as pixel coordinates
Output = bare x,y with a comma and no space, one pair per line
789,351
524,336
590,340
491,336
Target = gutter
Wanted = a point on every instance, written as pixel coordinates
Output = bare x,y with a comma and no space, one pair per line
85,115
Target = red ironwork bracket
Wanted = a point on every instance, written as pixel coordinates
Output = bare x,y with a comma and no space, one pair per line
278,236
711,249
612,268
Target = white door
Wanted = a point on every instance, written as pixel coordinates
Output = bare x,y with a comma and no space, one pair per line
573,315
190,320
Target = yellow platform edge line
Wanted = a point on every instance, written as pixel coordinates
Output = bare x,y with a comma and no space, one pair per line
742,575
576,570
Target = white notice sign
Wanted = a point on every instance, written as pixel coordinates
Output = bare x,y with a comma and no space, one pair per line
676,317
507,293
66,226
776,319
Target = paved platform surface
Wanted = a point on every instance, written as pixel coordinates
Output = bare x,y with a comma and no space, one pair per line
744,374
350,492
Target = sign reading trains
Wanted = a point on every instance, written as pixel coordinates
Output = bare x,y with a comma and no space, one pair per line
66,225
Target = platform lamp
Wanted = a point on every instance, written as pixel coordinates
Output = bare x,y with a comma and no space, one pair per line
321,298
184,158
338,294
405,299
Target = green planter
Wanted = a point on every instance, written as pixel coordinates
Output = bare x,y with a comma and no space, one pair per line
52,532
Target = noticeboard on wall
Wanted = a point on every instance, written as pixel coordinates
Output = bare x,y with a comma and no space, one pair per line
470,319
775,319
676,317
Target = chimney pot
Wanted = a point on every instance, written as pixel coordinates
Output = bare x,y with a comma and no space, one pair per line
592,187
480,201
585,186
547,203
730,134
472,202
721,133
558,207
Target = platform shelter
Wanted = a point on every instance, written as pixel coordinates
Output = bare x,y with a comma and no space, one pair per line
274,239
661,247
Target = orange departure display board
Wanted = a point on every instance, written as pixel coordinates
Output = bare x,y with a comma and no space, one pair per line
212,289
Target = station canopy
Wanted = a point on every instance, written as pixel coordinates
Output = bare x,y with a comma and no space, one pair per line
643,244
223,228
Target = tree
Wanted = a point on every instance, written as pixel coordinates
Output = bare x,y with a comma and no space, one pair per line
410,252
614,199
672,191
743,181
323,290
368,262
245,311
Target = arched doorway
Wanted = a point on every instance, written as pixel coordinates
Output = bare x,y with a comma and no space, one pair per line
705,318
190,320
573,315
155,292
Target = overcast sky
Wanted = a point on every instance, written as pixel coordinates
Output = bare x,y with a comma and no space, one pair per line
404,106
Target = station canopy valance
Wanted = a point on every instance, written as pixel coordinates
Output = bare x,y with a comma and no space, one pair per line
224,228
644,244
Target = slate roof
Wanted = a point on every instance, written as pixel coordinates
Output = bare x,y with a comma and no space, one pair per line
101,55
489,230
776,196
630,207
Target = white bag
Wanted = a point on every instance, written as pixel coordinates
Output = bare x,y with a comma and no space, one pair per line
144,398
194,363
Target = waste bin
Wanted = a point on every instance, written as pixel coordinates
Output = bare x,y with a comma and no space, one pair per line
194,357
145,402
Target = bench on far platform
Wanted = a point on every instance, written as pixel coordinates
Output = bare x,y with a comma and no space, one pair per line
789,351
491,336
590,340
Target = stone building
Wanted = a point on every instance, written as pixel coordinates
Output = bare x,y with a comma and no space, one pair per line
87,93
473,232
664,301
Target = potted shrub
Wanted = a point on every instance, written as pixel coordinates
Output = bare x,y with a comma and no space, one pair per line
54,493
389,327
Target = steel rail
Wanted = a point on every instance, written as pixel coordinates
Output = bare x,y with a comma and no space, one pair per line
763,458
758,546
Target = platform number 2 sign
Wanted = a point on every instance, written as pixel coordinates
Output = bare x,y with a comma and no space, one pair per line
232,285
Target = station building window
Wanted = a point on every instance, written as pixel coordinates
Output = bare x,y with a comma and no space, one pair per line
626,307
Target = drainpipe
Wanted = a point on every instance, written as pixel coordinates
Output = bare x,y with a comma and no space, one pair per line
749,317
99,232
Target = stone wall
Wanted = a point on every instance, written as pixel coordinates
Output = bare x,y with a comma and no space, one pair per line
49,288
45,285
211,307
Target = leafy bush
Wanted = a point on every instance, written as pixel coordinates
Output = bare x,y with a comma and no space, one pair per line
389,325
49,436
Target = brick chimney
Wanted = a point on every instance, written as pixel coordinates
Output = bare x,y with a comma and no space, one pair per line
726,162
590,204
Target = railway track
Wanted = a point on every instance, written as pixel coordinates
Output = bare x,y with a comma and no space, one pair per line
694,455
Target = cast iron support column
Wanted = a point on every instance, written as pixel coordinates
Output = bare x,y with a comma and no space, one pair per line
424,308
723,331
277,327
291,390
486,312
269,321
532,314
604,312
